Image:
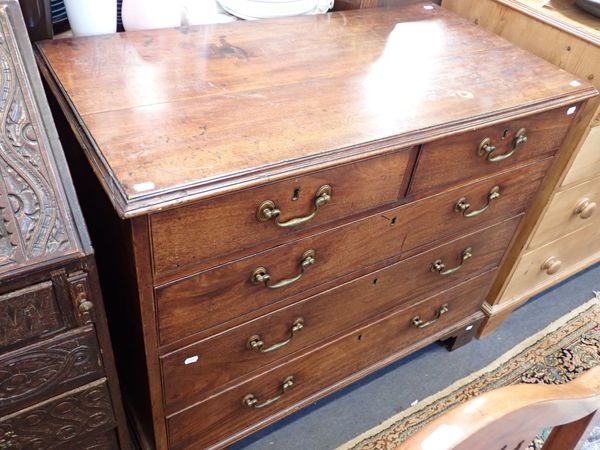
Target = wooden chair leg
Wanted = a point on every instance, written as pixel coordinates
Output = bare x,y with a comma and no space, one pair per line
573,435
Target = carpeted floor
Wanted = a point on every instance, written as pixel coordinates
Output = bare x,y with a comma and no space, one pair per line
362,406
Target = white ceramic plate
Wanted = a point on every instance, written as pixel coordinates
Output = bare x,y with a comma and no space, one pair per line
265,9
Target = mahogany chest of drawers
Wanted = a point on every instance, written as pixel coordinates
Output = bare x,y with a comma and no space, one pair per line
283,207
58,383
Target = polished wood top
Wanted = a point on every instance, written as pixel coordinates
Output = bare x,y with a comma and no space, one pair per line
180,114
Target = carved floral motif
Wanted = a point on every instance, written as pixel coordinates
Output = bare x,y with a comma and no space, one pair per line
30,219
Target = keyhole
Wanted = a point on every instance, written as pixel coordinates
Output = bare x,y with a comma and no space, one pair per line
374,281
504,134
359,337
393,221
296,194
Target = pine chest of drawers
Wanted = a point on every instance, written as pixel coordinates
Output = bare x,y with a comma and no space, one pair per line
295,203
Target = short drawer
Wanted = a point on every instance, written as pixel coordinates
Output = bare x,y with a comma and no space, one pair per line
568,211
216,296
202,425
34,373
587,161
454,159
196,370
29,313
192,235
68,421
540,267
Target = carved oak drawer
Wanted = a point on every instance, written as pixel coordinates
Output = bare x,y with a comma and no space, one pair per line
29,313
195,234
68,421
204,424
38,371
228,291
491,149
195,370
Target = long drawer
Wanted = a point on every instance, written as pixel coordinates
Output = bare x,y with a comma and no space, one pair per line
33,373
215,296
449,161
204,424
543,266
68,421
568,211
194,234
194,371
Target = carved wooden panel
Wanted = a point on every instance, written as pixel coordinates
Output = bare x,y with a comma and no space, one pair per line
28,313
42,370
63,422
33,223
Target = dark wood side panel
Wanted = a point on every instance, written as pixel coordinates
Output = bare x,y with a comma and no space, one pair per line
224,415
65,421
44,369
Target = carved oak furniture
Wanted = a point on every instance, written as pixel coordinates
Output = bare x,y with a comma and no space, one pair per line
58,384
292,204
562,235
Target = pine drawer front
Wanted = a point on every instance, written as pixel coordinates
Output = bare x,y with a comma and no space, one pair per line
464,156
587,161
192,235
568,211
215,296
39,371
29,313
202,425
67,421
543,266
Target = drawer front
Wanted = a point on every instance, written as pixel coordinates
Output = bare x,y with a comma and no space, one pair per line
568,211
38,371
587,161
29,313
195,370
202,301
222,415
451,160
63,422
542,265
194,234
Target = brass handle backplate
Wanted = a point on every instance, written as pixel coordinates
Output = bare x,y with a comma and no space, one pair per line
439,267
551,265
256,342
418,323
251,401
463,205
487,149
585,208
261,274
267,209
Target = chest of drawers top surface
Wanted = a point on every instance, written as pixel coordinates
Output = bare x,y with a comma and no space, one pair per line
182,114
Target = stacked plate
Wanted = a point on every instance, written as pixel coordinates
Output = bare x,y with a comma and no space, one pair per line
265,9
58,10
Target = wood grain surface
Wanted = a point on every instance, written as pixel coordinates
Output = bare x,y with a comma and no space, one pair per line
188,113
